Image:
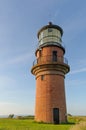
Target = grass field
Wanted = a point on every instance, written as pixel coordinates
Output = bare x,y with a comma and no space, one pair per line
28,124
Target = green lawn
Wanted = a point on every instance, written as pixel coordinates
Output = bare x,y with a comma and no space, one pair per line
28,124
17,124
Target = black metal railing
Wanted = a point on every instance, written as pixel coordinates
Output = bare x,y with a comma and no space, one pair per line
50,59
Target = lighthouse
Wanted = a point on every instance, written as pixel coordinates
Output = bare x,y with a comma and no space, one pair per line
50,68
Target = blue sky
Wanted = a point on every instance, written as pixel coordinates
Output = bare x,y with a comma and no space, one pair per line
20,21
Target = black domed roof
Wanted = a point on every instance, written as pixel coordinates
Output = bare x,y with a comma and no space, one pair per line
50,25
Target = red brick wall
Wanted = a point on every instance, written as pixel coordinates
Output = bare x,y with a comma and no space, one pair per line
50,92
48,51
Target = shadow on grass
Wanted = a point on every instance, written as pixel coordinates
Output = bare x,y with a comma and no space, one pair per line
68,123
41,122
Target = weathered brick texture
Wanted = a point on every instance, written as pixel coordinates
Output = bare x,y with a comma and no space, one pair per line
50,93
50,86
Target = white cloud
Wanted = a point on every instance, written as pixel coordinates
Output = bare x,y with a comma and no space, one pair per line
76,109
7,108
78,71
75,83
23,58
20,58
6,82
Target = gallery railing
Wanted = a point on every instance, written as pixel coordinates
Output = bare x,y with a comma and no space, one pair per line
50,59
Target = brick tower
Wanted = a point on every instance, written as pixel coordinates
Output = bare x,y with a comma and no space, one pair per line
49,69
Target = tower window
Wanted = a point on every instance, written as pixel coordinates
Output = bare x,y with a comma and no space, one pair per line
49,29
54,58
42,77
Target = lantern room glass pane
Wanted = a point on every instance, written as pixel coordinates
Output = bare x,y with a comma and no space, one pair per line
50,35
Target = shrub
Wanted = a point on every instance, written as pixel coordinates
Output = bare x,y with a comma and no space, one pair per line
11,116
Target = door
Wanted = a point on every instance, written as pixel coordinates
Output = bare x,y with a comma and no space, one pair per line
56,115
54,55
